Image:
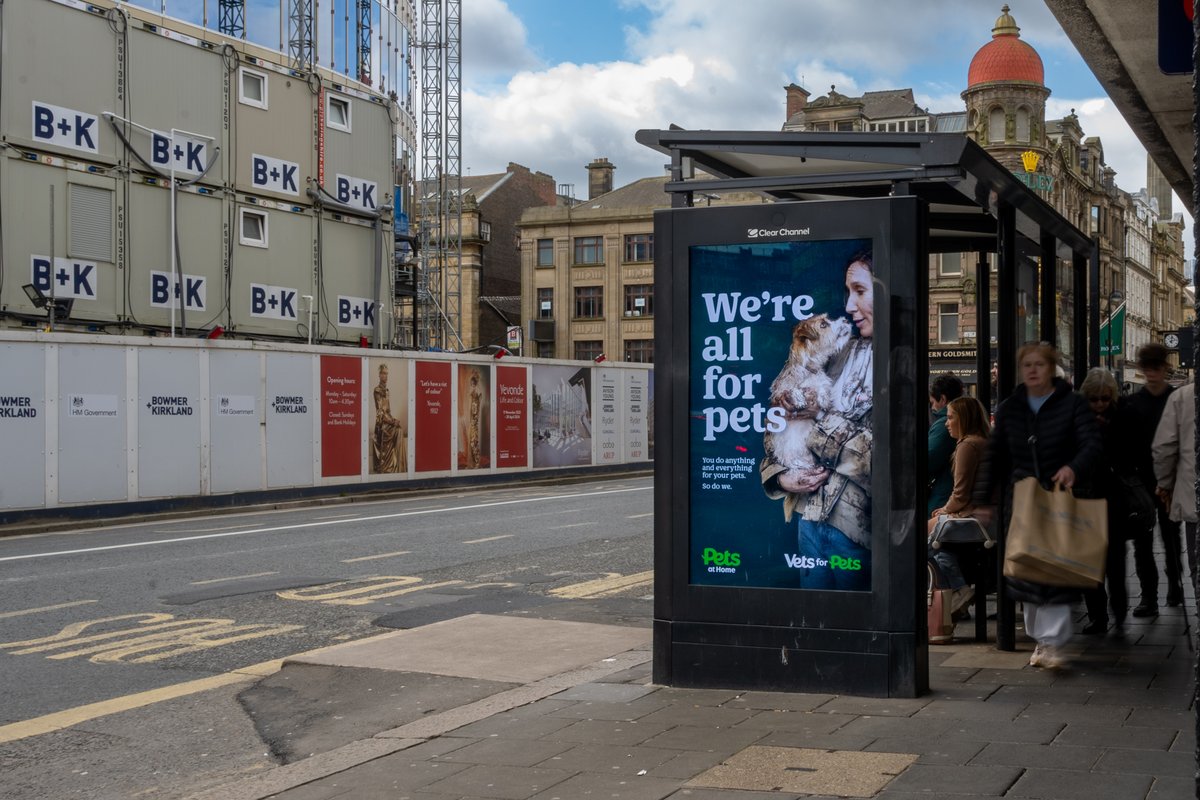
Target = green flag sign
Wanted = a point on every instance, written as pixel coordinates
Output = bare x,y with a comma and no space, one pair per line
1114,325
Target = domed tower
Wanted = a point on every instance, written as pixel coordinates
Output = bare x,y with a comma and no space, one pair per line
1006,96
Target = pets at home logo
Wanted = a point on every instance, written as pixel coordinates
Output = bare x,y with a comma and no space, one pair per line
721,561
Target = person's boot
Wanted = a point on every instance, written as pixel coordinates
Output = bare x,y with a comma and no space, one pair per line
1146,608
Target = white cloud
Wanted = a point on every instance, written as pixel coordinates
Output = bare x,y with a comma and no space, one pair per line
494,42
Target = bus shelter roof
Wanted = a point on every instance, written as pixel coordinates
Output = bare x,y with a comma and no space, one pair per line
963,185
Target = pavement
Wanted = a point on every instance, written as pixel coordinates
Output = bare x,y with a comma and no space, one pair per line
525,708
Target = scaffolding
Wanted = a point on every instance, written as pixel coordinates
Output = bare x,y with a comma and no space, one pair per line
231,18
364,41
438,303
301,43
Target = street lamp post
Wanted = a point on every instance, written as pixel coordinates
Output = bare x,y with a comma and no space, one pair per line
1115,296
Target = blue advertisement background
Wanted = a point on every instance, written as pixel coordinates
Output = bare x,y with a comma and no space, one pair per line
736,520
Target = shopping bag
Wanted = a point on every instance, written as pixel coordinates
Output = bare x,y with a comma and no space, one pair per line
1055,538
937,601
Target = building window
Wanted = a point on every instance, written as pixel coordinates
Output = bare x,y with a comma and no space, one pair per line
545,252
951,264
252,227
485,231
639,300
1022,124
589,302
337,112
996,125
820,126
947,322
639,351
252,87
845,126
545,304
545,349
588,350
589,249
639,247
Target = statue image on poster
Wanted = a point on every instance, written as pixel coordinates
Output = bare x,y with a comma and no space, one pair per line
389,417
782,396
562,416
474,431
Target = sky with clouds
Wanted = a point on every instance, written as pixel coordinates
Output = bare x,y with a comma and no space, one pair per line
553,84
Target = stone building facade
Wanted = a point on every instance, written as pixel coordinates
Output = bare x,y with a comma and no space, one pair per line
579,261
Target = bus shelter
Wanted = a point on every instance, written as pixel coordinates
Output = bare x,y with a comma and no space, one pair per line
722,617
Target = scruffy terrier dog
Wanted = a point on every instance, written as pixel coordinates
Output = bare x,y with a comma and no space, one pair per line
804,388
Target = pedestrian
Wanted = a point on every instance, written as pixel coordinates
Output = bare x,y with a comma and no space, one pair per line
967,423
1174,455
1100,390
944,388
1138,417
1044,430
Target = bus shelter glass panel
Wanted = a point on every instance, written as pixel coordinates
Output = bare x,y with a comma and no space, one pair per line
1064,312
1028,298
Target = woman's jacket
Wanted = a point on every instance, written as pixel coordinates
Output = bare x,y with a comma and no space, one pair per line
1024,444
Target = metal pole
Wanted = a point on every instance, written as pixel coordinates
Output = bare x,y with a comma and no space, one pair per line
53,279
174,289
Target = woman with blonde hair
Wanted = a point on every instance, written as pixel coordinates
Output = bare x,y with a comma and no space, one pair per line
1046,431
967,423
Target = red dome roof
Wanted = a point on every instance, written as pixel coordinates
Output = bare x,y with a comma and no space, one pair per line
1005,57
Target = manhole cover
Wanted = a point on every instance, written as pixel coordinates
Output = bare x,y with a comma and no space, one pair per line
843,773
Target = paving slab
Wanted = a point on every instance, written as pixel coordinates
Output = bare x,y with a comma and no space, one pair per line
1141,762
840,773
590,784
506,752
496,648
970,780
1033,755
1056,784
610,759
507,783
943,750
1122,736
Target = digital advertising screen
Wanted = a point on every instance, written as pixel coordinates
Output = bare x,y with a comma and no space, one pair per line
780,398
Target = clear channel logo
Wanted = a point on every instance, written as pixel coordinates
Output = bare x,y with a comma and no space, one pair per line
767,233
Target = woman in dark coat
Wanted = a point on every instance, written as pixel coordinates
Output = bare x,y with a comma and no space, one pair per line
1047,431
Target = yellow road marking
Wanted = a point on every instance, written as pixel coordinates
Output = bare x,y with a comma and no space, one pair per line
8,614
488,539
613,583
156,637
234,578
381,555
74,716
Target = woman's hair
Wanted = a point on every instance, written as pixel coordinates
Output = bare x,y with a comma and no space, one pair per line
863,257
1099,383
1042,349
972,418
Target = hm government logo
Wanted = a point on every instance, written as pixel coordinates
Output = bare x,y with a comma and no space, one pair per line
717,561
765,233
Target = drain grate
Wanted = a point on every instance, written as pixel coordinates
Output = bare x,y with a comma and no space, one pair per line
844,773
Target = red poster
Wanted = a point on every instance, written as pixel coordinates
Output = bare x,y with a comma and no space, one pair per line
512,421
432,421
341,416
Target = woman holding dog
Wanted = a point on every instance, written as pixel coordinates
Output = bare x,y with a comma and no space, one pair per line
1045,430
834,500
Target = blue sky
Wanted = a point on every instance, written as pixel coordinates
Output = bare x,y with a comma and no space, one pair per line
553,84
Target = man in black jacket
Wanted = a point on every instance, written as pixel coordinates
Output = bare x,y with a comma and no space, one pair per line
1138,417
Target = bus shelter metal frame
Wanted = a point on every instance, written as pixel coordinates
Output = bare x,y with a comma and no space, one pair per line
975,205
